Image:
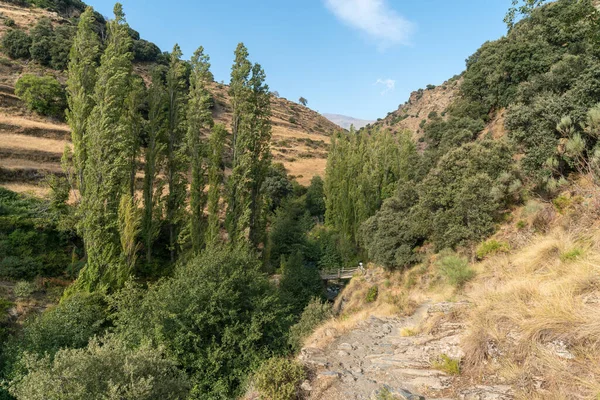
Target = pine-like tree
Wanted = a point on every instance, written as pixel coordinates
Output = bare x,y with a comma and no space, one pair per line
155,157
176,158
200,121
108,162
215,181
80,89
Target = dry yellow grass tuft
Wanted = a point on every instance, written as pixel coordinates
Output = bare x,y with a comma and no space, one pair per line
536,320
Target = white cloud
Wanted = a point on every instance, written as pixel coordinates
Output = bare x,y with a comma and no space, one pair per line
374,17
389,85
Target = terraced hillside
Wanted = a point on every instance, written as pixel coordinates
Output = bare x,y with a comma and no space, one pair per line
31,146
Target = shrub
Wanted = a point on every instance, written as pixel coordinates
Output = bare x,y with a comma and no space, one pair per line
562,203
68,325
293,120
16,44
279,379
491,247
10,22
218,316
372,294
431,87
42,37
43,95
107,369
456,270
448,365
24,289
145,51
313,315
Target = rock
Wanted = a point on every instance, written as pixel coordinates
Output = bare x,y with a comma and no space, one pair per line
400,394
345,346
306,386
328,374
343,353
559,348
498,392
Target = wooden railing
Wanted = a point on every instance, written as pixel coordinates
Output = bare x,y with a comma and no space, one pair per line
341,273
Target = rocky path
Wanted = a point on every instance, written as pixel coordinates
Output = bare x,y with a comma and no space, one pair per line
389,356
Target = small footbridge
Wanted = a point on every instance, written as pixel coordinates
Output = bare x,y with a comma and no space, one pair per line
340,273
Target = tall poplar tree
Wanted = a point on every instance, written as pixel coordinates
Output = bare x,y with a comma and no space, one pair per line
257,156
176,160
83,62
108,163
200,121
215,181
251,148
238,92
154,157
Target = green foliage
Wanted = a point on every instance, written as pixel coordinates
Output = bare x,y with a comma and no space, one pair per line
32,242
215,182
24,289
44,94
315,313
218,316
491,247
277,186
62,41
372,294
16,43
303,101
455,269
362,171
68,325
9,22
315,198
107,369
288,232
391,235
299,283
200,121
145,51
448,365
107,174
279,379
42,35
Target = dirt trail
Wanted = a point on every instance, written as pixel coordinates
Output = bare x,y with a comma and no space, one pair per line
389,353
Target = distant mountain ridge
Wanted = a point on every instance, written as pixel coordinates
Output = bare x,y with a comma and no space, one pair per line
345,121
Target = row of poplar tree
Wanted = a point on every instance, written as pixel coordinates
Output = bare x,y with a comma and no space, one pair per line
120,126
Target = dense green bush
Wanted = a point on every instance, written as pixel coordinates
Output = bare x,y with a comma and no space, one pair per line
315,198
455,269
299,283
219,316
316,312
107,370
279,379
42,94
31,242
42,40
68,325
391,236
16,44
145,51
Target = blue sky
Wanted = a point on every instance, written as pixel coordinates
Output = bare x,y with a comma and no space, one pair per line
360,58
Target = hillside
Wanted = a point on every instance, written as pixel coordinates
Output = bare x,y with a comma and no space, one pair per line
31,146
346,122
419,108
